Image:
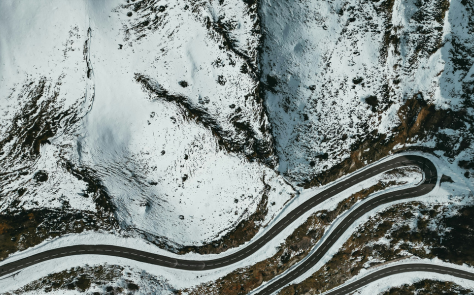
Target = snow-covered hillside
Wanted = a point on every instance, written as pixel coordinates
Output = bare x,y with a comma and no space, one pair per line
340,72
156,103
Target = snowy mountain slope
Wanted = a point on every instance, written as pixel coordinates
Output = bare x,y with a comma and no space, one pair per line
45,92
340,74
162,163
205,62
149,111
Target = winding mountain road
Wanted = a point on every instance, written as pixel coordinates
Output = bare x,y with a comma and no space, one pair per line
425,187
402,268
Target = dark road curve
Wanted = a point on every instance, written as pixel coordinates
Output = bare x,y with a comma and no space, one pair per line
401,268
428,184
425,187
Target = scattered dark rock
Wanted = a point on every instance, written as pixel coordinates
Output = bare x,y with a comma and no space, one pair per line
236,201
21,191
204,100
133,287
129,14
312,87
161,8
357,80
467,174
181,217
41,176
446,178
120,46
312,163
186,157
372,101
285,257
324,156
221,80
272,81
466,164
163,152
185,177
183,84
232,106
305,117
83,283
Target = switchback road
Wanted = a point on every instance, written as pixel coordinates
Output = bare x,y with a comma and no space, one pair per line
425,187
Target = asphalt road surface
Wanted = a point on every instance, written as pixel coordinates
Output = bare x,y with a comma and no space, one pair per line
403,268
428,184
